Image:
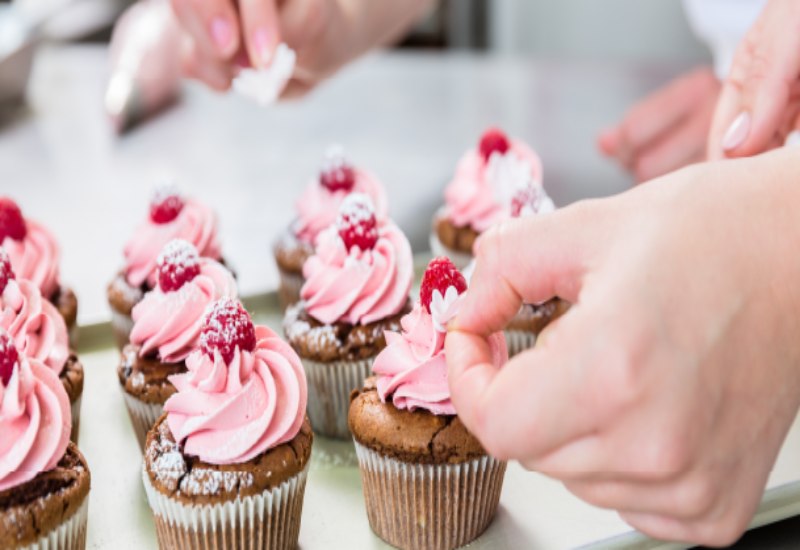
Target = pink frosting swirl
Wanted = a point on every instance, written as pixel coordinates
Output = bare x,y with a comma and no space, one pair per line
480,191
229,414
34,324
412,369
36,257
35,422
196,223
358,287
318,207
170,322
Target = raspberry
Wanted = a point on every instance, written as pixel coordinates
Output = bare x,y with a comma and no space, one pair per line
526,196
12,224
177,264
337,174
440,275
357,224
227,326
493,141
6,273
166,204
8,357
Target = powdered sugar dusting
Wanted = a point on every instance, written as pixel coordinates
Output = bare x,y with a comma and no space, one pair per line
165,190
356,223
227,325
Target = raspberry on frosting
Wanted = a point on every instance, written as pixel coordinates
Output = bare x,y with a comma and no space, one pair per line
12,224
493,141
357,224
6,272
177,264
166,204
337,173
227,326
440,275
8,357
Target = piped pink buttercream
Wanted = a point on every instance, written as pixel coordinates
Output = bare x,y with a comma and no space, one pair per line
412,369
317,208
229,414
170,322
358,287
479,194
36,257
196,223
35,422
34,324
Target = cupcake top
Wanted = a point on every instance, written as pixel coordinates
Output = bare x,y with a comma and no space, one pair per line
34,417
412,369
169,317
361,271
32,248
486,179
171,217
319,204
244,393
33,323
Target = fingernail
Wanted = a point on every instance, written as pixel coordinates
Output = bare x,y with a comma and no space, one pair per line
222,33
262,43
737,132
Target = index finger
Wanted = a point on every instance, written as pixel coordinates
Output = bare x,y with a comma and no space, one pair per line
261,28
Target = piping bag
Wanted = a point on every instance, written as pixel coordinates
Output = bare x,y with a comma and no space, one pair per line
145,64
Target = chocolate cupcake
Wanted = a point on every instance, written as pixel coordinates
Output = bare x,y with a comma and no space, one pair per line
44,479
172,216
481,192
226,466
316,210
166,329
35,256
428,483
38,331
357,288
529,322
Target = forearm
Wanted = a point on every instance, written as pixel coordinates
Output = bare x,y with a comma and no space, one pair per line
375,23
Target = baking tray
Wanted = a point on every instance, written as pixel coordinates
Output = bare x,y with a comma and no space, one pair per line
535,511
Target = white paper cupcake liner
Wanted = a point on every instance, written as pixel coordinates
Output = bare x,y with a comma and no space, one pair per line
143,416
518,341
70,535
122,325
460,259
329,388
290,285
76,419
270,520
430,506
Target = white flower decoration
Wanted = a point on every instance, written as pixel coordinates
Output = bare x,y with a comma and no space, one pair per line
444,308
264,86
506,173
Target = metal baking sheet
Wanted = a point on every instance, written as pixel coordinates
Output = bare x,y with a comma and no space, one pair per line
535,512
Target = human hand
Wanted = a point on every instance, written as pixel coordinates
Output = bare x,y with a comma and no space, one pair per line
667,130
760,100
667,389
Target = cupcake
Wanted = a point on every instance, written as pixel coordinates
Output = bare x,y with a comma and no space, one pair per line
38,331
427,481
166,329
315,211
44,479
480,193
356,289
35,257
226,466
172,216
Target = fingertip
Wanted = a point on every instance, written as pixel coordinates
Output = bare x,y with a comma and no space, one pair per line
608,141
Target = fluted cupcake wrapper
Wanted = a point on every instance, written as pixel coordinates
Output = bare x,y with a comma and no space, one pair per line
270,520
289,289
329,388
429,506
75,409
121,325
70,535
460,259
143,416
518,341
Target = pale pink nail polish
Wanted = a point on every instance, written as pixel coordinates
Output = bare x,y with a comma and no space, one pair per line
263,45
221,33
737,133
